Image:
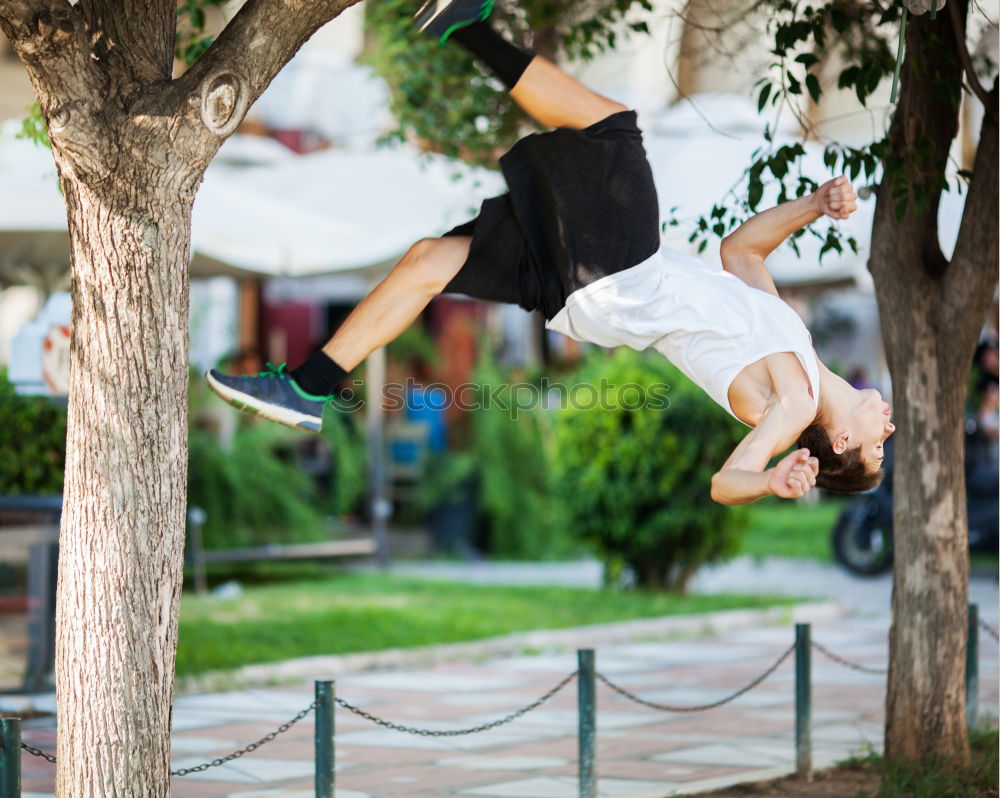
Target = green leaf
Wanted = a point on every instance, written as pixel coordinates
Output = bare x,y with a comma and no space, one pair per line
839,20
812,84
762,98
779,164
33,127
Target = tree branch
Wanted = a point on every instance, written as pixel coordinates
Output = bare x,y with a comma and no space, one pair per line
52,40
974,264
136,40
250,51
966,59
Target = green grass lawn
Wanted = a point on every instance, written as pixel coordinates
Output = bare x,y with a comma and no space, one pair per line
349,612
778,528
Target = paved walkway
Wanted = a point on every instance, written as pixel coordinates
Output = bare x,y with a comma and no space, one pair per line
641,753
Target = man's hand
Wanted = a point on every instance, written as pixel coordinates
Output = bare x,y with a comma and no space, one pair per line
794,475
836,198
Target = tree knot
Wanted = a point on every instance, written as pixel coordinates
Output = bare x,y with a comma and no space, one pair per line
224,101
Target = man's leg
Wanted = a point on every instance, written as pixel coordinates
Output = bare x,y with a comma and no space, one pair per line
297,398
555,99
543,90
399,299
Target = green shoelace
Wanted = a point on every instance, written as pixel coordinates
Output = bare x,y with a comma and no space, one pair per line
281,372
276,371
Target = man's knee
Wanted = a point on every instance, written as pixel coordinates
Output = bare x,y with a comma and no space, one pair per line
431,263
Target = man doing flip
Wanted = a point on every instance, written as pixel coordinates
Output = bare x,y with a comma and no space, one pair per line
577,237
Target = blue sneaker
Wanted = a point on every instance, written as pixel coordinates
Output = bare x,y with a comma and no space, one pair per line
272,394
441,18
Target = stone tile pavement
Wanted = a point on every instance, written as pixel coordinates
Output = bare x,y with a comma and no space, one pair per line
641,753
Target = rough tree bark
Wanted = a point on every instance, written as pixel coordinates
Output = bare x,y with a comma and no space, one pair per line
932,311
130,145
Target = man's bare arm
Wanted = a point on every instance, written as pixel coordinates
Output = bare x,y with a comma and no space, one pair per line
744,477
744,250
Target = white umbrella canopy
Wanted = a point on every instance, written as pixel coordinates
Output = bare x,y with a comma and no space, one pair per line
32,213
34,241
330,211
334,210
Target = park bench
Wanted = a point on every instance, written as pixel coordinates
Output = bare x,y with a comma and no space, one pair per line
29,536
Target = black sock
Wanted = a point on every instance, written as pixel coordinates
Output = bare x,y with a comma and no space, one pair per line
318,375
508,61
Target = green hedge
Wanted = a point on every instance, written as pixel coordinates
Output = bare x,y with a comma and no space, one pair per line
636,481
32,442
252,493
512,446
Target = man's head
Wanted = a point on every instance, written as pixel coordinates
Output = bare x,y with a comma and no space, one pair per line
847,440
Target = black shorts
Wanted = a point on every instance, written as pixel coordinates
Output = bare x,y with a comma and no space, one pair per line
581,204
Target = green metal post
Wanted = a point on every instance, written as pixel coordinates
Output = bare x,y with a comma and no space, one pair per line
586,704
972,668
10,758
324,739
803,701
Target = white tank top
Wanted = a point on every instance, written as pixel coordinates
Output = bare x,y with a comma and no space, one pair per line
707,322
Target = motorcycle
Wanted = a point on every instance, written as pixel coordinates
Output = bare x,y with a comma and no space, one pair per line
862,536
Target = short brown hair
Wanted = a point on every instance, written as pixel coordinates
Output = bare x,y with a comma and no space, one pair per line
838,473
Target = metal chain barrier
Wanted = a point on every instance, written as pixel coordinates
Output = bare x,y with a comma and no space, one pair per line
514,715
841,661
719,703
246,750
215,762
38,752
456,732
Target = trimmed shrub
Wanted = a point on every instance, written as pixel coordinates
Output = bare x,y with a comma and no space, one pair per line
344,433
251,495
512,445
636,477
32,442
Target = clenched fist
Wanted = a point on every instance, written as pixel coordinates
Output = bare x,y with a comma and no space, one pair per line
836,198
794,475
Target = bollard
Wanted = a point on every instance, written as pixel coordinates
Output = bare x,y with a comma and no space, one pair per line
325,758
972,668
586,707
10,758
803,702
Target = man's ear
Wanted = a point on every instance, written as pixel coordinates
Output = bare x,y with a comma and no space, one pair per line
839,444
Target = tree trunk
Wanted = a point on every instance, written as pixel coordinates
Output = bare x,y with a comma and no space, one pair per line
931,314
122,536
131,144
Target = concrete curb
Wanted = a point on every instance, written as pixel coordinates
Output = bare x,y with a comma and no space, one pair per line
674,627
